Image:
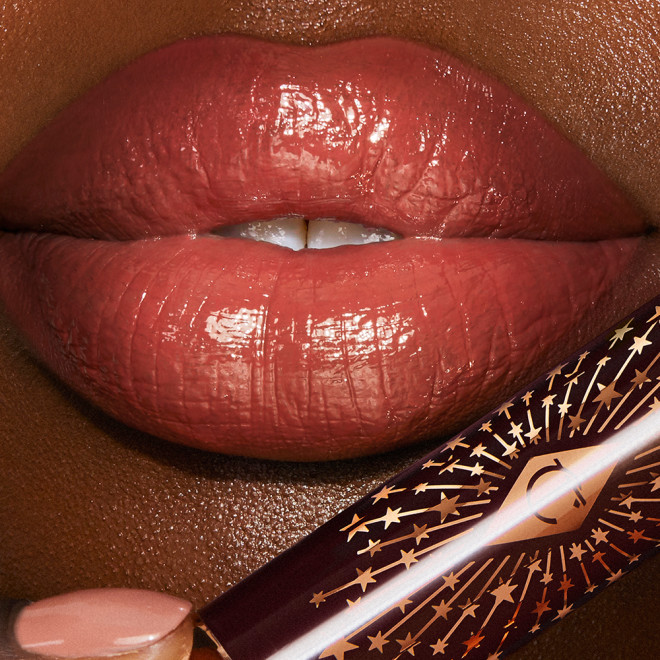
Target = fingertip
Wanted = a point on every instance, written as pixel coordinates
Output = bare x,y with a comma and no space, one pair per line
101,623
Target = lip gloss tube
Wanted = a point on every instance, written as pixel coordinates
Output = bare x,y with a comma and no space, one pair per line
501,531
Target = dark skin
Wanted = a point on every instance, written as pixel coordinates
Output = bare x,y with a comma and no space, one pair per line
103,505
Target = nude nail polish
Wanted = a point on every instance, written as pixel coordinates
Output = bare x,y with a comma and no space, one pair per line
98,622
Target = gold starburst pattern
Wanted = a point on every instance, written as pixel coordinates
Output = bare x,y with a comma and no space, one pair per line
531,573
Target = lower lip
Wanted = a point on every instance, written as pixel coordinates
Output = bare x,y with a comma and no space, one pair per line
251,349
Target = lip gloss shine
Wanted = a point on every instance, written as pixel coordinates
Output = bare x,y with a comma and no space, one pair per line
498,533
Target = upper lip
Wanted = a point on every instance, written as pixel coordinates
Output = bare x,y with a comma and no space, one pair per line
258,352
345,131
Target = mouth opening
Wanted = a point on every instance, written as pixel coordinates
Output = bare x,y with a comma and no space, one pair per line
298,233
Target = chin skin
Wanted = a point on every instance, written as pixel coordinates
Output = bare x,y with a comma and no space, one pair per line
87,502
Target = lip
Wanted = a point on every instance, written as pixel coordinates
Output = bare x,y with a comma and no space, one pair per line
509,236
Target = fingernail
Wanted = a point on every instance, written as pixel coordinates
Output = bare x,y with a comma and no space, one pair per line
98,622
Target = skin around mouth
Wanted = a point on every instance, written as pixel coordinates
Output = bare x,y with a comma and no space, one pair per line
509,234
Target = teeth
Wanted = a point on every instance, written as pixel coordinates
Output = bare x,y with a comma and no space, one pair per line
297,233
287,232
328,233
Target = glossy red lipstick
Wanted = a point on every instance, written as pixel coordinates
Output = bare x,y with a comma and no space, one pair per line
111,269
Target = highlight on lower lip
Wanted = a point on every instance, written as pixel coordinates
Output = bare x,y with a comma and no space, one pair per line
307,355
506,236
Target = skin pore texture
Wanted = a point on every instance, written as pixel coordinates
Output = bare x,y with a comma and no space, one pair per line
87,502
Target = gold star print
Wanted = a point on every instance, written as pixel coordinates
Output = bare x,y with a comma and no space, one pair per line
446,506
615,576
635,516
364,578
402,604
563,612
486,426
633,559
478,450
628,501
599,535
640,378
607,394
451,581
406,643
566,584
439,647
419,533
476,470
469,609
353,603
382,494
516,431
656,315
576,422
408,558
494,656
503,592
504,409
528,397
574,380
473,642
655,483
377,641
452,444
356,519
385,492
620,333
442,609
361,528
421,488
533,433
338,649
577,551
483,487
511,450
535,565
373,547
636,535
554,373
541,608
391,517
318,598
547,402
640,343
563,408
547,578
655,405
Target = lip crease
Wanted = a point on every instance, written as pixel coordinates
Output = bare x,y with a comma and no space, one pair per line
110,265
